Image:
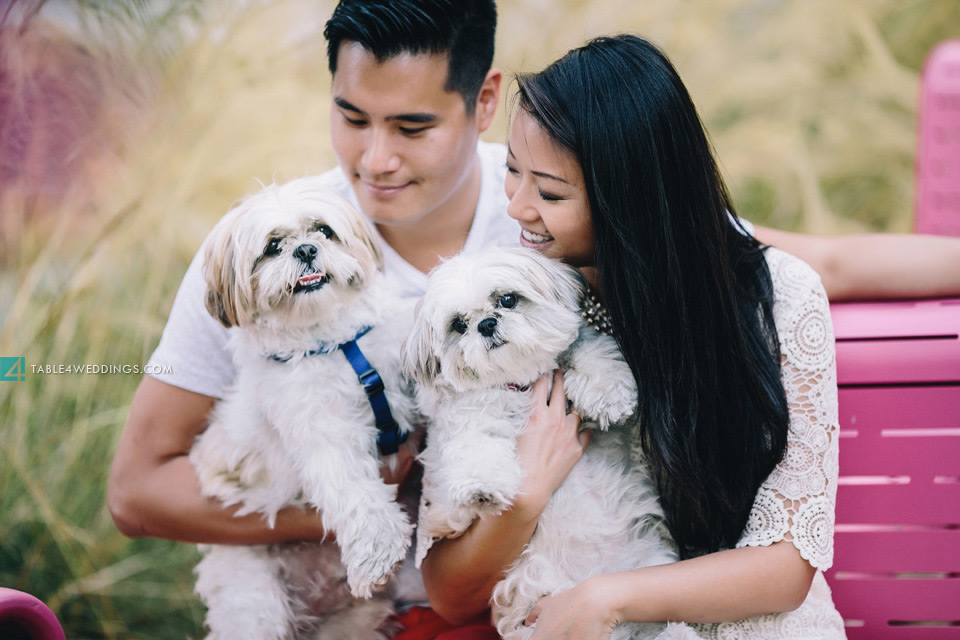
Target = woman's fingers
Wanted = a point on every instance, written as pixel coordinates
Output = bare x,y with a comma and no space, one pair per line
541,389
534,614
584,437
557,397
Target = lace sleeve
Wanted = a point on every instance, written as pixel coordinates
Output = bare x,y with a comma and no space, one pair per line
797,500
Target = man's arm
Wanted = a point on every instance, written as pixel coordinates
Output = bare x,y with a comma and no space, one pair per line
153,490
876,266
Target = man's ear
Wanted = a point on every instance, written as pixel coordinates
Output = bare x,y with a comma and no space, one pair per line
488,99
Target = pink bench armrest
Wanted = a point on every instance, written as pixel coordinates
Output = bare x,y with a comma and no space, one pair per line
23,611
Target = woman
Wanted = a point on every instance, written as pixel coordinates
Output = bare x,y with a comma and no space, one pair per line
610,170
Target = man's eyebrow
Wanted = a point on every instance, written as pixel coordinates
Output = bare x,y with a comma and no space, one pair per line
343,104
539,174
415,118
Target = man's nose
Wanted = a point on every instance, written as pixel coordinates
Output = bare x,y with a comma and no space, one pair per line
380,155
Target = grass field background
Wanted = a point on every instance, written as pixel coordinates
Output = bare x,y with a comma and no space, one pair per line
128,128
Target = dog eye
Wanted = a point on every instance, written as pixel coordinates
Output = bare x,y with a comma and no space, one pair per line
325,230
273,247
507,301
459,325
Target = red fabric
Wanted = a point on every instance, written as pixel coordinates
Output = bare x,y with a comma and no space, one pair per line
421,623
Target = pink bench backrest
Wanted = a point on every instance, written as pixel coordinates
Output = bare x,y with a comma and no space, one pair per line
897,547
938,143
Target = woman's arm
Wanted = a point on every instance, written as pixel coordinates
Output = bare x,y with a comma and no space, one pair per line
460,574
876,265
727,585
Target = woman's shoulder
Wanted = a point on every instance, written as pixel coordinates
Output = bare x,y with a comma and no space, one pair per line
794,281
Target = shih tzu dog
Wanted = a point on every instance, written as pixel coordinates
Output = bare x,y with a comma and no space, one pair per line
489,325
299,273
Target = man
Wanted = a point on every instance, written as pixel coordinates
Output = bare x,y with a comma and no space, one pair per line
413,89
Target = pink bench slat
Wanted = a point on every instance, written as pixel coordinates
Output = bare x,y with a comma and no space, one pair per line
899,504
898,362
908,318
906,599
879,632
919,459
892,552
868,410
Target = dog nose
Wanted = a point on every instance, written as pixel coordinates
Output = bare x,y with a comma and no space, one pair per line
305,253
487,326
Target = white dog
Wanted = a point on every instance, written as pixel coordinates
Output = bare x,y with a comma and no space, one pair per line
489,326
299,272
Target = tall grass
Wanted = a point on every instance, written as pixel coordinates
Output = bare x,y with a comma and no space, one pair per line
810,104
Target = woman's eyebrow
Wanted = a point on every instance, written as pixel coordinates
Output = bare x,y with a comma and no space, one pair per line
539,174
549,176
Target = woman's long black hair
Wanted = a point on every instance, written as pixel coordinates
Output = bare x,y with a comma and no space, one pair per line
689,292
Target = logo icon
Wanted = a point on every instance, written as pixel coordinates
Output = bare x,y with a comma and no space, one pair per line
13,369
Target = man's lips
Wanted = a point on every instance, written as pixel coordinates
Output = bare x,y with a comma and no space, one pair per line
385,190
531,239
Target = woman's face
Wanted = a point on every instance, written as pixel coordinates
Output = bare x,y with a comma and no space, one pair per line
547,194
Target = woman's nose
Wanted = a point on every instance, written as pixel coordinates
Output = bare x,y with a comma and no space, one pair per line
519,208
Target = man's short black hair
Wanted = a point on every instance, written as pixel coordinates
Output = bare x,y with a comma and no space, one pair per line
463,29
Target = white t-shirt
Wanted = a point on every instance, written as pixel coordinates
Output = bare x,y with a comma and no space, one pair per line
193,346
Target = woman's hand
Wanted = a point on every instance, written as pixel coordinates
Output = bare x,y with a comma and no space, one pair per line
581,613
550,446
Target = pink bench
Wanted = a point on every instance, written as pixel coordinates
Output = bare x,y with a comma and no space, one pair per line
897,547
896,572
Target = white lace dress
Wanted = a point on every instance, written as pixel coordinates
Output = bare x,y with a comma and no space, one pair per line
797,500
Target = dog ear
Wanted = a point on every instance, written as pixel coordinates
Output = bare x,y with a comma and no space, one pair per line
417,359
573,285
220,274
362,243
564,283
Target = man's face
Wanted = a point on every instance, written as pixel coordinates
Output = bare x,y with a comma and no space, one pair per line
406,144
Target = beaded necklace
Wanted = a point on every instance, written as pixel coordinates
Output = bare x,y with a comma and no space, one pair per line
595,314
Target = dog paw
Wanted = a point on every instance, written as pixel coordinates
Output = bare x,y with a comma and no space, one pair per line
482,497
374,555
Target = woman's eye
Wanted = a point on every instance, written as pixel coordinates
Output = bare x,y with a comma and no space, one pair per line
272,248
549,197
511,170
324,229
507,301
459,325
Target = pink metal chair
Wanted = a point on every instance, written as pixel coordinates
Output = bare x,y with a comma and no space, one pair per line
23,617
938,143
896,573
